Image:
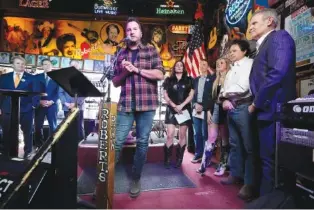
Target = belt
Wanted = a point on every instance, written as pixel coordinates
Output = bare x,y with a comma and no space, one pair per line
242,101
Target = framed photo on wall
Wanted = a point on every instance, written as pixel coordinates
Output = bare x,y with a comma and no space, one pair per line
55,61
5,57
65,62
30,59
99,66
40,58
305,86
88,65
18,54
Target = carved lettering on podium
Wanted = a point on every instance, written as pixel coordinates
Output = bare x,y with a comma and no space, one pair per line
106,155
103,144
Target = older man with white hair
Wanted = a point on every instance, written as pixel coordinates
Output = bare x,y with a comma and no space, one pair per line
272,81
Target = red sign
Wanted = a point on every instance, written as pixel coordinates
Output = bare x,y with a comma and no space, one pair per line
34,3
180,29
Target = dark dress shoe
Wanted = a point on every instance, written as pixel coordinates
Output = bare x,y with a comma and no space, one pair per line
246,193
230,180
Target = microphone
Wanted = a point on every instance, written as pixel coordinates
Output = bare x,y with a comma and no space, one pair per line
126,39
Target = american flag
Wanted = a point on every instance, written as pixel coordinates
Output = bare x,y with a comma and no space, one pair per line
195,51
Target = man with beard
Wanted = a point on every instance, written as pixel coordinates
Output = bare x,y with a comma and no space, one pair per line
137,71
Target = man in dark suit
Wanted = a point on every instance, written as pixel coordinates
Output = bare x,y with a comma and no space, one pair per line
48,104
272,81
19,80
202,103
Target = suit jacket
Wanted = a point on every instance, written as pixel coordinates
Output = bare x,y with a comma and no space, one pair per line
48,86
273,77
27,83
207,101
66,98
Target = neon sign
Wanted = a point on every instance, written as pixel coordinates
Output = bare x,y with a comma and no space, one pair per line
236,9
170,8
180,29
34,3
106,7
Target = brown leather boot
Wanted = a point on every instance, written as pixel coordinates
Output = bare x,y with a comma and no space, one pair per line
230,180
246,193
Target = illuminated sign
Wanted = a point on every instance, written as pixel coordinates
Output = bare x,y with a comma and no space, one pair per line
170,8
34,3
236,10
106,7
180,29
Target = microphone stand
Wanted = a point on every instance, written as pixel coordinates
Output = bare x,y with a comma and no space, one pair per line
108,73
103,193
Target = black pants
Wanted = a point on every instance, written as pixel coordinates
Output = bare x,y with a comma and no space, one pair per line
26,122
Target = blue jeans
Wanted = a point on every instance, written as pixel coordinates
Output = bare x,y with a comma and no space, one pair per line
144,123
240,123
200,135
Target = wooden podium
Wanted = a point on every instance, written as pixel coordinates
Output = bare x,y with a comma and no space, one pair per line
106,155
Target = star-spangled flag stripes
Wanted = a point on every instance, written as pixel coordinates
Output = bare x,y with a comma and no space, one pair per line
195,51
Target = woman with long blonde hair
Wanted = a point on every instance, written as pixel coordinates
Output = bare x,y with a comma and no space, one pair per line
217,122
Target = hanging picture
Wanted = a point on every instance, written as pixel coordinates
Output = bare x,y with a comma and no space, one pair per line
55,61
65,62
4,57
88,65
40,58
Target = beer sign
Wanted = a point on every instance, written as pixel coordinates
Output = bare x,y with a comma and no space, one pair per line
170,8
236,10
34,3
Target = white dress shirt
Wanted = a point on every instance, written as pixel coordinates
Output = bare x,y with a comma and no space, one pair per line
237,84
260,40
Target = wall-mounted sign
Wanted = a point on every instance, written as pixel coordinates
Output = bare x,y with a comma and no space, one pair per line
34,3
170,8
180,29
236,10
106,7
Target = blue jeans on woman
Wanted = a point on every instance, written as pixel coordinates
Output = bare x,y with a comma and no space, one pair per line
144,123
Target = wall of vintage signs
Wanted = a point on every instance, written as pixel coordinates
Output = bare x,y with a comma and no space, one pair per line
85,40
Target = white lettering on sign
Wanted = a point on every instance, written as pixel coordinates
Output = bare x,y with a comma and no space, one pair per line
102,147
4,185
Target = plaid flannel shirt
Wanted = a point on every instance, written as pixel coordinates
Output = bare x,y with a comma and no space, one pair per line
146,93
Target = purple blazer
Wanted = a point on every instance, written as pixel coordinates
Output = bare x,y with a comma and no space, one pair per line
273,76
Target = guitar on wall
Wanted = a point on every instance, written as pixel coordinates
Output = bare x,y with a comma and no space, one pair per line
233,33
90,35
213,35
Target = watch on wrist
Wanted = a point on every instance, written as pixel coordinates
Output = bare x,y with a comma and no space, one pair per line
139,71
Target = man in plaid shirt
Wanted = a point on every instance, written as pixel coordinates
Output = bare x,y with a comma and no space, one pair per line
137,71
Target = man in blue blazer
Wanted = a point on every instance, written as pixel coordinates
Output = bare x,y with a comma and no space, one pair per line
19,80
48,106
202,103
272,81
